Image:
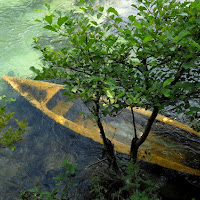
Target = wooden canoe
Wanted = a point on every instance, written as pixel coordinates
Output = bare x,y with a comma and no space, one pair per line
164,146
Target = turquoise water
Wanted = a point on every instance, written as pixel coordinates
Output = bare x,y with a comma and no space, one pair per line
18,27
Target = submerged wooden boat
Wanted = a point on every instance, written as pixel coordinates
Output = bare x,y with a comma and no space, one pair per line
165,145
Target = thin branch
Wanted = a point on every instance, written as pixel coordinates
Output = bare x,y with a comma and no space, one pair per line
134,126
99,161
148,127
80,71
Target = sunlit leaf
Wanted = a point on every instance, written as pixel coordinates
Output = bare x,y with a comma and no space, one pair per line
112,10
62,20
49,19
12,147
131,18
50,28
110,93
101,9
148,39
136,24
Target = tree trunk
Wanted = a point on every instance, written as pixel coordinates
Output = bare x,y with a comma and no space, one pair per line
108,150
136,142
134,150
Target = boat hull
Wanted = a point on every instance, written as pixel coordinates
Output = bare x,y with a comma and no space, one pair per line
162,146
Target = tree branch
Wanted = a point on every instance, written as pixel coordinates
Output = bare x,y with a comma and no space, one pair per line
148,127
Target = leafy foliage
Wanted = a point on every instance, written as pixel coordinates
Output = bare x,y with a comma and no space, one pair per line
9,135
151,60
137,186
134,185
65,179
97,189
164,39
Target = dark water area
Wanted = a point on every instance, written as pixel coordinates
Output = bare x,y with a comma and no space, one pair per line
45,146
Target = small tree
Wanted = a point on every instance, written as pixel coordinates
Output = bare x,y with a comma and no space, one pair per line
88,66
151,60
163,68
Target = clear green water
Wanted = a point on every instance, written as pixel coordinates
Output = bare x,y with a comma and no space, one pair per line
17,28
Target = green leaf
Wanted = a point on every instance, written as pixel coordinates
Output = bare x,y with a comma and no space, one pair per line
47,6
45,193
74,89
187,65
50,28
116,105
182,34
183,14
55,26
131,18
32,190
62,20
112,10
190,113
99,15
33,69
141,8
37,20
188,86
195,44
70,30
95,23
49,19
121,95
101,9
172,48
10,100
118,19
166,92
148,38
110,94
168,81
2,97
136,24
198,21
12,147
